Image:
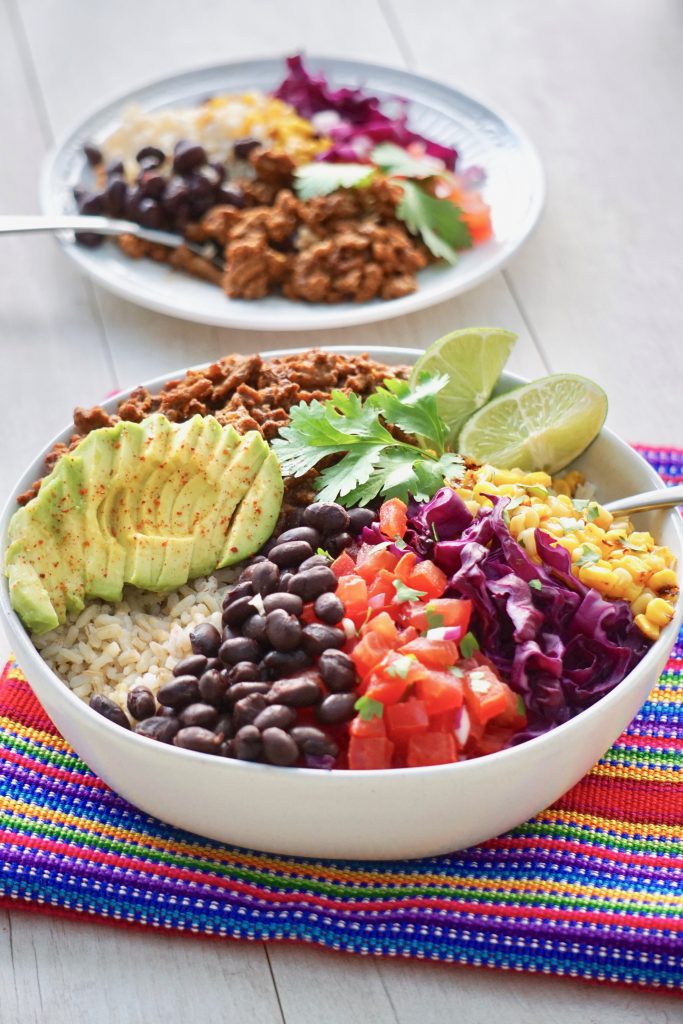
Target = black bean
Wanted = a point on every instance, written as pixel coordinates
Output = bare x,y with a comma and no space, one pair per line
161,729
279,748
283,630
284,580
175,194
278,664
337,670
336,708
290,554
244,711
224,727
205,639
213,686
277,716
106,707
306,533
329,608
149,154
246,744
314,562
88,239
151,184
241,589
338,542
149,214
195,665
187,156
300,692
264,577
326,516
115,196
360,517
92,154
115,169
238,611
230,195
141,703
92,202
317,638
312,583
214,663
220,169
180,692
244,672
194,737
288,602
239,648
238,691
243,147
229,633
200,187
255,629
294,517
164,712
313,741
199,714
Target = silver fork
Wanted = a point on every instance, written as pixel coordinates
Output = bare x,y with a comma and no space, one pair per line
11,225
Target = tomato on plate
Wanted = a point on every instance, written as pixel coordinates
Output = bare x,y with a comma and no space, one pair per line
431,748
405,566
432,653
343,565
486,696
440,691
444,611
367,753
352,591
393,518
428,578
373,557
406,720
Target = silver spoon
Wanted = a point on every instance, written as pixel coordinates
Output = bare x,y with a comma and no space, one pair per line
663,497
10,225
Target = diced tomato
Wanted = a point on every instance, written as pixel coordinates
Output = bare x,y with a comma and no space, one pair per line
370,752
440,691
368,652
477,216
514,716
486,696
444,611
405,566
493,740
443,722
407,635
368,727
352,591
308,614
373,557
393,518
386,688
431,748
343,565
429,578
383,583
432,653
406,720
384,626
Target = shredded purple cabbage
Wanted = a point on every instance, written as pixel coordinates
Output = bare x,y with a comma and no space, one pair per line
361,125
558,643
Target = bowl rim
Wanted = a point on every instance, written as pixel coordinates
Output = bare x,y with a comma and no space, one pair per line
20,638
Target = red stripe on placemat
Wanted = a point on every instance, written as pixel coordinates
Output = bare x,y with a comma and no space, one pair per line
628,800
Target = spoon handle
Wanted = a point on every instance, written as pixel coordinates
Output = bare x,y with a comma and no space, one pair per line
663,497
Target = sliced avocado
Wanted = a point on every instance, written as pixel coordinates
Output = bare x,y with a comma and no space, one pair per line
30,598
255,519
104,558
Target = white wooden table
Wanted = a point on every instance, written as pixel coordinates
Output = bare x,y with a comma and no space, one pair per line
596,290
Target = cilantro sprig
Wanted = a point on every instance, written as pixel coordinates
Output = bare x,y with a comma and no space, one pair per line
374,461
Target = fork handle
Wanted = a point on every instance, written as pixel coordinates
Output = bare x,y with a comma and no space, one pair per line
663,497
11,225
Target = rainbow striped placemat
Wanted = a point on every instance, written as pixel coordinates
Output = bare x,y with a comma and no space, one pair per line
591,888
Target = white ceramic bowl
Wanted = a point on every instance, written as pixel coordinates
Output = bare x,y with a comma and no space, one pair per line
409,812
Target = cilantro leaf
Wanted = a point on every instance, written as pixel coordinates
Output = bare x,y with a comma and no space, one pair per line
435,620
438,221
405,593
468,645
536,584
593,511
393,159
323,552
414,409
586,556
321,178
401,666
368,708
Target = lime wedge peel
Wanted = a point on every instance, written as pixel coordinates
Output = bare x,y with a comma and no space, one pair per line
473,359
544,425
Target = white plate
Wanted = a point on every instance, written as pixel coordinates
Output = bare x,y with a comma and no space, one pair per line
514,189
404,812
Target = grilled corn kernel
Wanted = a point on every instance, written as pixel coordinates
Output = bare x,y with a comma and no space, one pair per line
642,540
603,519
663,579
621,581
538,478
639,605
636,567
528,541
596,576
568,542
615,537
650,630
659,611
561,487
584,550
507,476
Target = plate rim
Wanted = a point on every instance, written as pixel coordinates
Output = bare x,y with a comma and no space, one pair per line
331,316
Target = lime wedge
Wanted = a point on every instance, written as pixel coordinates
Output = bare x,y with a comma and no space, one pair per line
472,358
540,426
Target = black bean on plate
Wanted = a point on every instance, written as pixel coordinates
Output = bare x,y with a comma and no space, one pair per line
279,748
194,737
336,708
288,602
243,147
92,203
277,664
162,729
312,583
264,577
230,195
338,542
337,670
248,708
205,639
244,672
255,629
241,690
242,589
305,533
213,685
187,156
317,638
93,154
238,611
246,744
152,155
106,707
290,554
314,561
150,214
313,741
193,665
329,608
283,630
179,692
115,196
141,703
360,517
327,517
205,715
151,184
299,692
115,169
276,716
239,648
175,193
